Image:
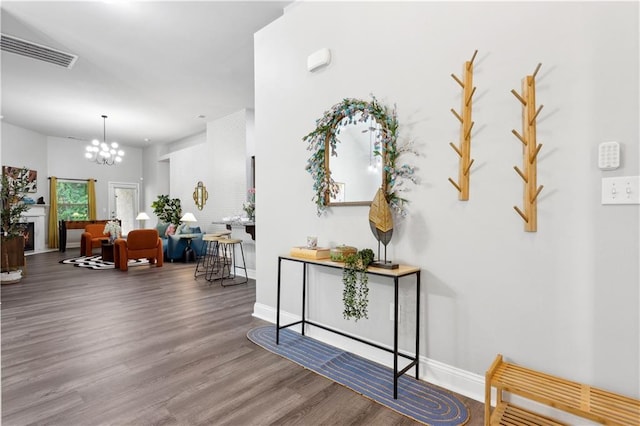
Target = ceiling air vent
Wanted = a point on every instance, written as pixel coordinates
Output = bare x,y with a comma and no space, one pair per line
37,51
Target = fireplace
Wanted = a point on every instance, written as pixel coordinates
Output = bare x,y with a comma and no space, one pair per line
36,231
29,235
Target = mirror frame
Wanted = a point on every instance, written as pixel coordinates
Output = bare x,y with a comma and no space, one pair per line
330,151
323,143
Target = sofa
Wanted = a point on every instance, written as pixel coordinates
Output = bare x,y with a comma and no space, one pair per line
173,246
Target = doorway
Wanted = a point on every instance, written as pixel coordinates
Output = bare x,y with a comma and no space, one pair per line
124,201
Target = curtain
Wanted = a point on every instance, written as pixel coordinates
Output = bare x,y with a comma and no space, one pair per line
53,213
91,192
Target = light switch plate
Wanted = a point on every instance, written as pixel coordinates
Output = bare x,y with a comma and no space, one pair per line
621,190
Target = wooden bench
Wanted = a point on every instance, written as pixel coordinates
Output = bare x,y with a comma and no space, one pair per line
581,400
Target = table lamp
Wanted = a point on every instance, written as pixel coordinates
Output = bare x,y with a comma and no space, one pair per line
142,216
189,255
188,218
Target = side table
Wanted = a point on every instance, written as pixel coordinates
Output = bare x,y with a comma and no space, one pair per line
107,251
188,255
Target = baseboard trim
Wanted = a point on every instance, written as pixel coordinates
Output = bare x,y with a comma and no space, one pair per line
438,373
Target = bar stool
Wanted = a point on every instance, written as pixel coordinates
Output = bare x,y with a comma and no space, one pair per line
208,260
227,255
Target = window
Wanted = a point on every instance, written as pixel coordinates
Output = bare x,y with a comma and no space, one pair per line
73,200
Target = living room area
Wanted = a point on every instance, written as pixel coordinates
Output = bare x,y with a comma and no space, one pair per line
157,345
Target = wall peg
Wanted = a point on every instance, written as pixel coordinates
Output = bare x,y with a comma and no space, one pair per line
530,150
466,125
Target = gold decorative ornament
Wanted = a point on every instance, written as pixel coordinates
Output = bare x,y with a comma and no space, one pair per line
200,195
381,223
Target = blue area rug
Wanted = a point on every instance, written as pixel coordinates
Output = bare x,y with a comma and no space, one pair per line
417,399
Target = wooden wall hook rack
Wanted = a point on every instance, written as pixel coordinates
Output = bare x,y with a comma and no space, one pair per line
466,124
530,150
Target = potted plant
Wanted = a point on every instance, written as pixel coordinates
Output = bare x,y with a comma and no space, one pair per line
13,188
355,280
168,210
250,206
114,230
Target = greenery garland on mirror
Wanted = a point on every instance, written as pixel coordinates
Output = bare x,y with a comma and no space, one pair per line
356,289
325,136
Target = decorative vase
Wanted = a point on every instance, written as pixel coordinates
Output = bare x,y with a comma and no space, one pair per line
11,277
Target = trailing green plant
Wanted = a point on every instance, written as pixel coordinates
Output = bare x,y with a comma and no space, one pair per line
13,189
325,136
356,284
168,210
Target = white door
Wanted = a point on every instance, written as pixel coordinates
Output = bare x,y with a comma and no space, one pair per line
123,204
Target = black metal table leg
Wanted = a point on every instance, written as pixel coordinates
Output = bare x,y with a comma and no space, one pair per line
395,339
417,324
278,304
304,294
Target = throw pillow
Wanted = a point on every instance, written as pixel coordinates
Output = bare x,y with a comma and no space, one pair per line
162,228
183,228
171,229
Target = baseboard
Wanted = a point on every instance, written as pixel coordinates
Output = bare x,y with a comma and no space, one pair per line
251,273
31,253
452,378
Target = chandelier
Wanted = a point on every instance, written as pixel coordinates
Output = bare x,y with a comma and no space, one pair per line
103,153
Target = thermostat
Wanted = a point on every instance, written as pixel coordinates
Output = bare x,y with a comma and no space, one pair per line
609,155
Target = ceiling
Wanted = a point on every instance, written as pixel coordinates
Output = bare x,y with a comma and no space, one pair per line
154,68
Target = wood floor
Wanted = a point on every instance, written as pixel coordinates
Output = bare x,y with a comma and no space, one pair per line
153,346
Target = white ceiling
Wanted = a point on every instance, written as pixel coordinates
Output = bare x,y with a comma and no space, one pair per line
151,67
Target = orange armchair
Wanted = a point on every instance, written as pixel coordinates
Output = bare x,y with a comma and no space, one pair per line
140,243
92,237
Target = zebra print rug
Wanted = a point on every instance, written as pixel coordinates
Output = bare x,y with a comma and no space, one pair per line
96,262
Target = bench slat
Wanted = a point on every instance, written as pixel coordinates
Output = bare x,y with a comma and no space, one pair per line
507,414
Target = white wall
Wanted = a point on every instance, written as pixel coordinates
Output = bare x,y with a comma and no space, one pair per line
218,159
64,158
564,299
156,179
22,147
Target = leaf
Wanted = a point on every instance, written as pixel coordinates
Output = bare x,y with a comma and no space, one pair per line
381,218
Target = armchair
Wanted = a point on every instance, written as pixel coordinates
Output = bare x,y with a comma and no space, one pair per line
92,237
140,243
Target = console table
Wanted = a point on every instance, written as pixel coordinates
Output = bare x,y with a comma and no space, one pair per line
395,274
64,225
